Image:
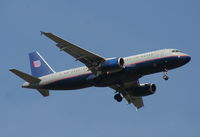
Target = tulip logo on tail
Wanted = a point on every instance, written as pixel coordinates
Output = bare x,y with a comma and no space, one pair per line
37,63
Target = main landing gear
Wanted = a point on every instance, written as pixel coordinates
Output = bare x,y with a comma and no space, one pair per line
165,77
118,97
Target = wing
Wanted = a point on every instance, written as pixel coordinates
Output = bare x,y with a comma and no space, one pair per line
90,59
124,89
137,101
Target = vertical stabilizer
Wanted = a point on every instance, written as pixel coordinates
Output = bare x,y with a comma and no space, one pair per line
39,67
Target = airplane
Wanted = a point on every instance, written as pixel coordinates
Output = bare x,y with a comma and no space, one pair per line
119,73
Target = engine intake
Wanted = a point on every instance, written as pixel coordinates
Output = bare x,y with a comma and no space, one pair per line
144,90
112,65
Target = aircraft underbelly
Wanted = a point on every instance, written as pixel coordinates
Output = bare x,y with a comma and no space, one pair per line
69,83
115,78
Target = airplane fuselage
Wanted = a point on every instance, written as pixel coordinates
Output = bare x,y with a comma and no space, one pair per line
134,68
120,74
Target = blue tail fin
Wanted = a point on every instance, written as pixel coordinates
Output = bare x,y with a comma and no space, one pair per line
39,66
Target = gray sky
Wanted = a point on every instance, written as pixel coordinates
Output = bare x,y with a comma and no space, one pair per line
109,28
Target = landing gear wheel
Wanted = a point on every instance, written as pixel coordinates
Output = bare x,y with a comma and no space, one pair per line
118,97
165,77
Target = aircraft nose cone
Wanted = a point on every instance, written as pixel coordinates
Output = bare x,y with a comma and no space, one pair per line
185,59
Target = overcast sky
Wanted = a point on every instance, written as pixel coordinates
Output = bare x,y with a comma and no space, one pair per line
109,28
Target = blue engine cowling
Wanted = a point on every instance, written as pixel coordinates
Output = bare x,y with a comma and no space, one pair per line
112,65
144,90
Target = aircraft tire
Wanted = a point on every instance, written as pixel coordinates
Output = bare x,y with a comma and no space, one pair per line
118,97
165,77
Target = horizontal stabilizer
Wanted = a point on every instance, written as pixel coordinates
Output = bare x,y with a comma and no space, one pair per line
25,76
44,92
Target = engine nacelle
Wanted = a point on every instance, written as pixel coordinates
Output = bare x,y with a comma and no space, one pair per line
144,90
112,65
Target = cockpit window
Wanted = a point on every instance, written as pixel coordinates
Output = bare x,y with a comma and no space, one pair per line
176,51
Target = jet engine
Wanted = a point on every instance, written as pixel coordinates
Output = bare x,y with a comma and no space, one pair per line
112,65
144,90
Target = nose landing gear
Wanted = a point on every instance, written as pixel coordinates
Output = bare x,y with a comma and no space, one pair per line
165,77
